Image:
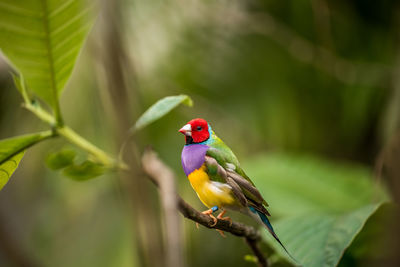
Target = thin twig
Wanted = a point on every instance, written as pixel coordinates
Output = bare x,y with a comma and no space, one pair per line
166,184
156,174
262,261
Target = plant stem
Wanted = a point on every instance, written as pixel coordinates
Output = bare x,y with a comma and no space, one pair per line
81,142
69,134
40,113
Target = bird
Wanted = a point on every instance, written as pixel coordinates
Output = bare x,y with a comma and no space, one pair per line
215,174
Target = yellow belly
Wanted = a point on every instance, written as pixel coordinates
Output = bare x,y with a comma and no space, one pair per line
210,193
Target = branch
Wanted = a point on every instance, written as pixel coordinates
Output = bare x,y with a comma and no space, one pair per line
166,183
157,171
70,134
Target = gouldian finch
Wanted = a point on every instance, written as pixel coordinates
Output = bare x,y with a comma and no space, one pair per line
215,174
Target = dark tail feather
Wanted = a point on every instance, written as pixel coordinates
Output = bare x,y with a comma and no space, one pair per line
268,225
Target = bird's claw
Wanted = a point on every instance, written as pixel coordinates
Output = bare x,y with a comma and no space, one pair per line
220,217
209,213
225,219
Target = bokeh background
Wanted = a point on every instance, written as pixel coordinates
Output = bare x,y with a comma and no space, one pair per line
309,77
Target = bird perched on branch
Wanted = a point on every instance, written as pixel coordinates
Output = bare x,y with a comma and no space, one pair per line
215,174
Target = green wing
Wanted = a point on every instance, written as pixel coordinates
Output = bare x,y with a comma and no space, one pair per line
226,160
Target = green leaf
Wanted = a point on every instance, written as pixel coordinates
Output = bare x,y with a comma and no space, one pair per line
318,206
42,39
8,167
160,109
12,151
320,239
12,146
60,159
299,184
84,171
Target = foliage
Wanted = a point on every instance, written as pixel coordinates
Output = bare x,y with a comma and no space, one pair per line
321,239
60,159
84,171
54,31
42,39
12,146
7,168
160,109
12,150
321,206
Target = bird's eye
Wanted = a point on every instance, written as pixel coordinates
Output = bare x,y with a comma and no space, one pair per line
199,128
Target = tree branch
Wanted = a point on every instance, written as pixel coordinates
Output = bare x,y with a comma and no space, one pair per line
157,171
165,179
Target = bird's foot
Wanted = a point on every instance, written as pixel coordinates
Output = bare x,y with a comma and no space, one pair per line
209,213
220,217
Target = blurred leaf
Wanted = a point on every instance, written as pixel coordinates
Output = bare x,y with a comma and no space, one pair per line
302,184
84,171
370,243
42,38
250,258
320,239
60,159
8,167
323,205
12,151
160,109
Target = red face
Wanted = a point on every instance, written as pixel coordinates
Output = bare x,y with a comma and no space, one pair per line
195,131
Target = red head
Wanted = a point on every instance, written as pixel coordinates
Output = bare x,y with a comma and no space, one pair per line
195,131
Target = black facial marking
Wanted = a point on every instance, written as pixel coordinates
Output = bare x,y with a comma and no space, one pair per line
189,140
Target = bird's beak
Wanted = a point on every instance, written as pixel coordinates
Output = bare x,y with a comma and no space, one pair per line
186,130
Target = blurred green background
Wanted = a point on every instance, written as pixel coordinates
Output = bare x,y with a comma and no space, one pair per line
297,88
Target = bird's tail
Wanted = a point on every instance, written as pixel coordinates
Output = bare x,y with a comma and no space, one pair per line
264,219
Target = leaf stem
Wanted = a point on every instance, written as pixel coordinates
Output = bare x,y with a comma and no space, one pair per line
73,137
40,113
101,156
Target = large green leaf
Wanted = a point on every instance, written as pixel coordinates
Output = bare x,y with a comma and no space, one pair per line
318,206
320,239
160,109
42,39
8,167
12,151
299,184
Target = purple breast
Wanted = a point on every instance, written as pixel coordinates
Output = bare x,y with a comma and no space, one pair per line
193,157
